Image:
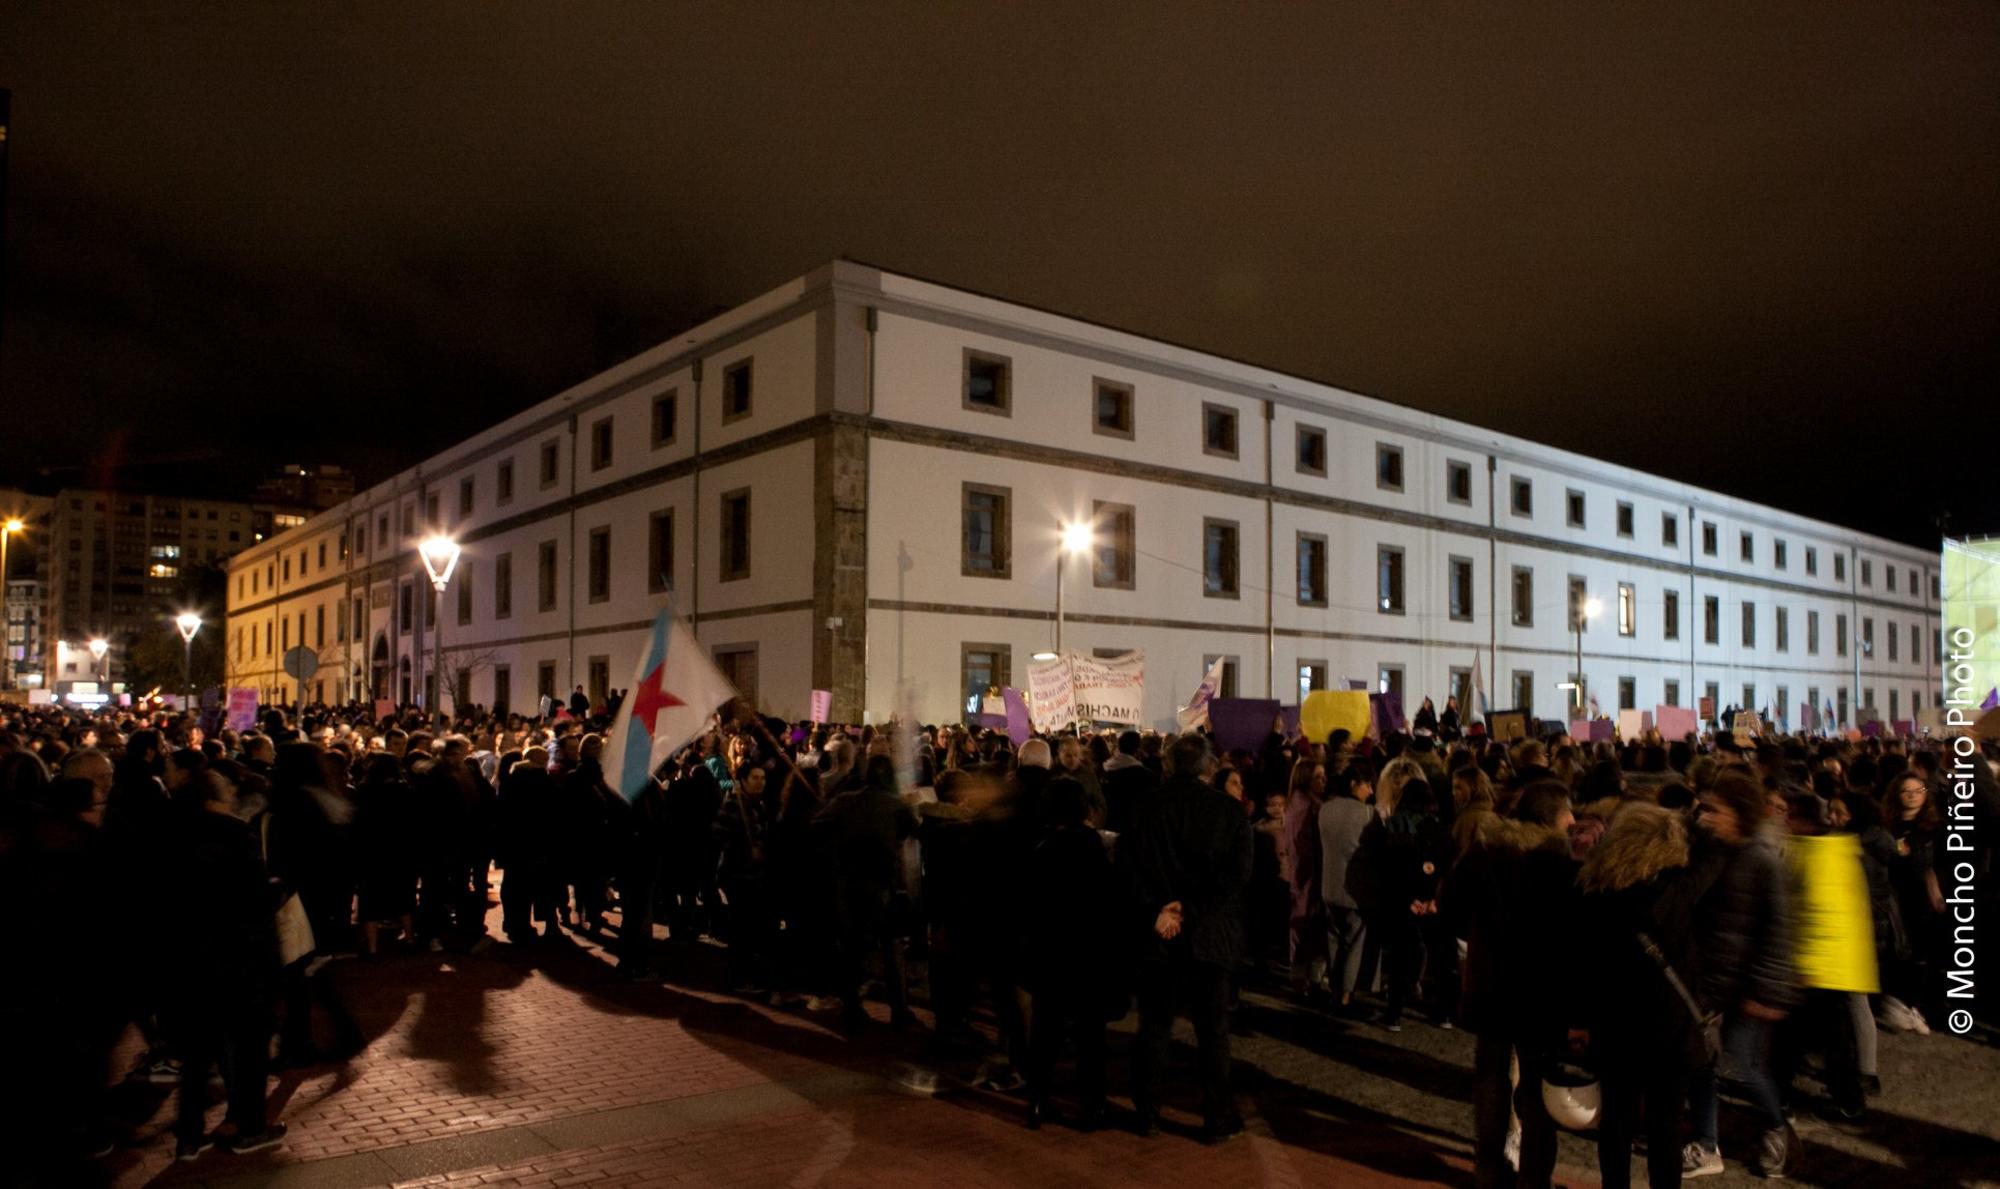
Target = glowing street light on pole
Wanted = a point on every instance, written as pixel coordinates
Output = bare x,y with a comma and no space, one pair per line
1075,537
189,623
1590,610
440,554
98,647
8,527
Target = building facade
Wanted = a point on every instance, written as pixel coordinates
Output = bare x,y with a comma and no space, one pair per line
858,481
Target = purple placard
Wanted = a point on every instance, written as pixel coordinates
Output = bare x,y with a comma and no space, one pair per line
990,722
1018,725
1386,712
1872,728
1291,726
1241,722
1907,728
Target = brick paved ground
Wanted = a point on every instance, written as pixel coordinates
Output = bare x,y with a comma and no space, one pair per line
544,1068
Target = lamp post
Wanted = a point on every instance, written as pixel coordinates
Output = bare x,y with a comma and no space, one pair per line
189,623
1073,538
98,647
440,554
8,528
1590,610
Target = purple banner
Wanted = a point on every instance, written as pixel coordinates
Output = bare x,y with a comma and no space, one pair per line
990,722
1241,723
1291,726
1387,711
1018,726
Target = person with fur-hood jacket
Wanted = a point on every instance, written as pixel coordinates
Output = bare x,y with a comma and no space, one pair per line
1508,898
1637,893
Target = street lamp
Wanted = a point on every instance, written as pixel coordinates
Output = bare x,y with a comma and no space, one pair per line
189,623
8,527
1590,610
1073,538
98,647
440,554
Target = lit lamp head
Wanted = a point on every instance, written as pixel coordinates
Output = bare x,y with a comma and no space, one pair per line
99,646
189,623
440,554
1078,536
1592,608
13,524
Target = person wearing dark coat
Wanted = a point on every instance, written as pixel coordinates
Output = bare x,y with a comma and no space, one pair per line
691,804
1636,889
1127,783
1069,952
304,834
224,946
1394,877
1743,929
1511,898
1188,862
530,844
582,827
742,832
860,835
579,703
387,824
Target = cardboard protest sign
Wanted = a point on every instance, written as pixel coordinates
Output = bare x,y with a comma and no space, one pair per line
1675,722
1508,725
1386,713
1633,724
241,711
1328,710
1707,708
1051,696
822,705
1589,730
1109,689
1019,723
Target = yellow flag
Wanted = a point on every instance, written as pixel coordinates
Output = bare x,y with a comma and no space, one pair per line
1832,924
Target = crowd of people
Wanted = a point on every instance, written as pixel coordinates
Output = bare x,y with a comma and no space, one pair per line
1661,919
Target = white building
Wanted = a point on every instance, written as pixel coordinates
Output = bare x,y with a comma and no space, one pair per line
858,479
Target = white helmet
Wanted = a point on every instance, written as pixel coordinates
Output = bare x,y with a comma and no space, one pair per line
1572,1098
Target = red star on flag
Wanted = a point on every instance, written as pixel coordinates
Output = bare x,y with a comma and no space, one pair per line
651,698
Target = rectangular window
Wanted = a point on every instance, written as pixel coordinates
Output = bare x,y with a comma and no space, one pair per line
1747,548
600,444
1778,554
465,497
1628,693
1312,570
1116,556
1781,629
1228,689
986,541
1889,577
1711,620
1916,645
1895,701
1579,601
1312,676
1867,635
1840,569
433,520
464,595
1812,634
738,666
1781,707
551,463
736,391
660,551
503,482
1312,451
1840,634
360,619
1708,538
545,576
735,534
1889,630
1457,482
503,689
1522,497
1749,625
319,628
430,609
1458,684
406,609
1218,430
1389,579
1573,514
1628,610
1524,691
503,586
1670,530
1388,467
598,566
1713,692
1867,572
1389,680
666,417
988,383
287,568
1112,412
322,554
1670,691
1218,558
1670,614
1749,695
1624,519
1458,583
545,679
1524,597
339,628
983,669
1812,560
597,679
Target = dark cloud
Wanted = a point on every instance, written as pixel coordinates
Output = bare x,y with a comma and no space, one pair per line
1748,246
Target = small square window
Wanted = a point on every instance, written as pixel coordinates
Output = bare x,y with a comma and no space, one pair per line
1312,451
1112,409
988,383
1388,467
1218,430
736,394
1458,482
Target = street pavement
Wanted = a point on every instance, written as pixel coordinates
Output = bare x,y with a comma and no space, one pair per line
542,1067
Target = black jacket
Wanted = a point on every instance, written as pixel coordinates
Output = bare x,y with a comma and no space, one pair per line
1126,787
1512,898
1743,924
1191,843
1073,915
224,933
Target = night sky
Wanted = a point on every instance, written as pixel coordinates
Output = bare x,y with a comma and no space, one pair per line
1748,246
